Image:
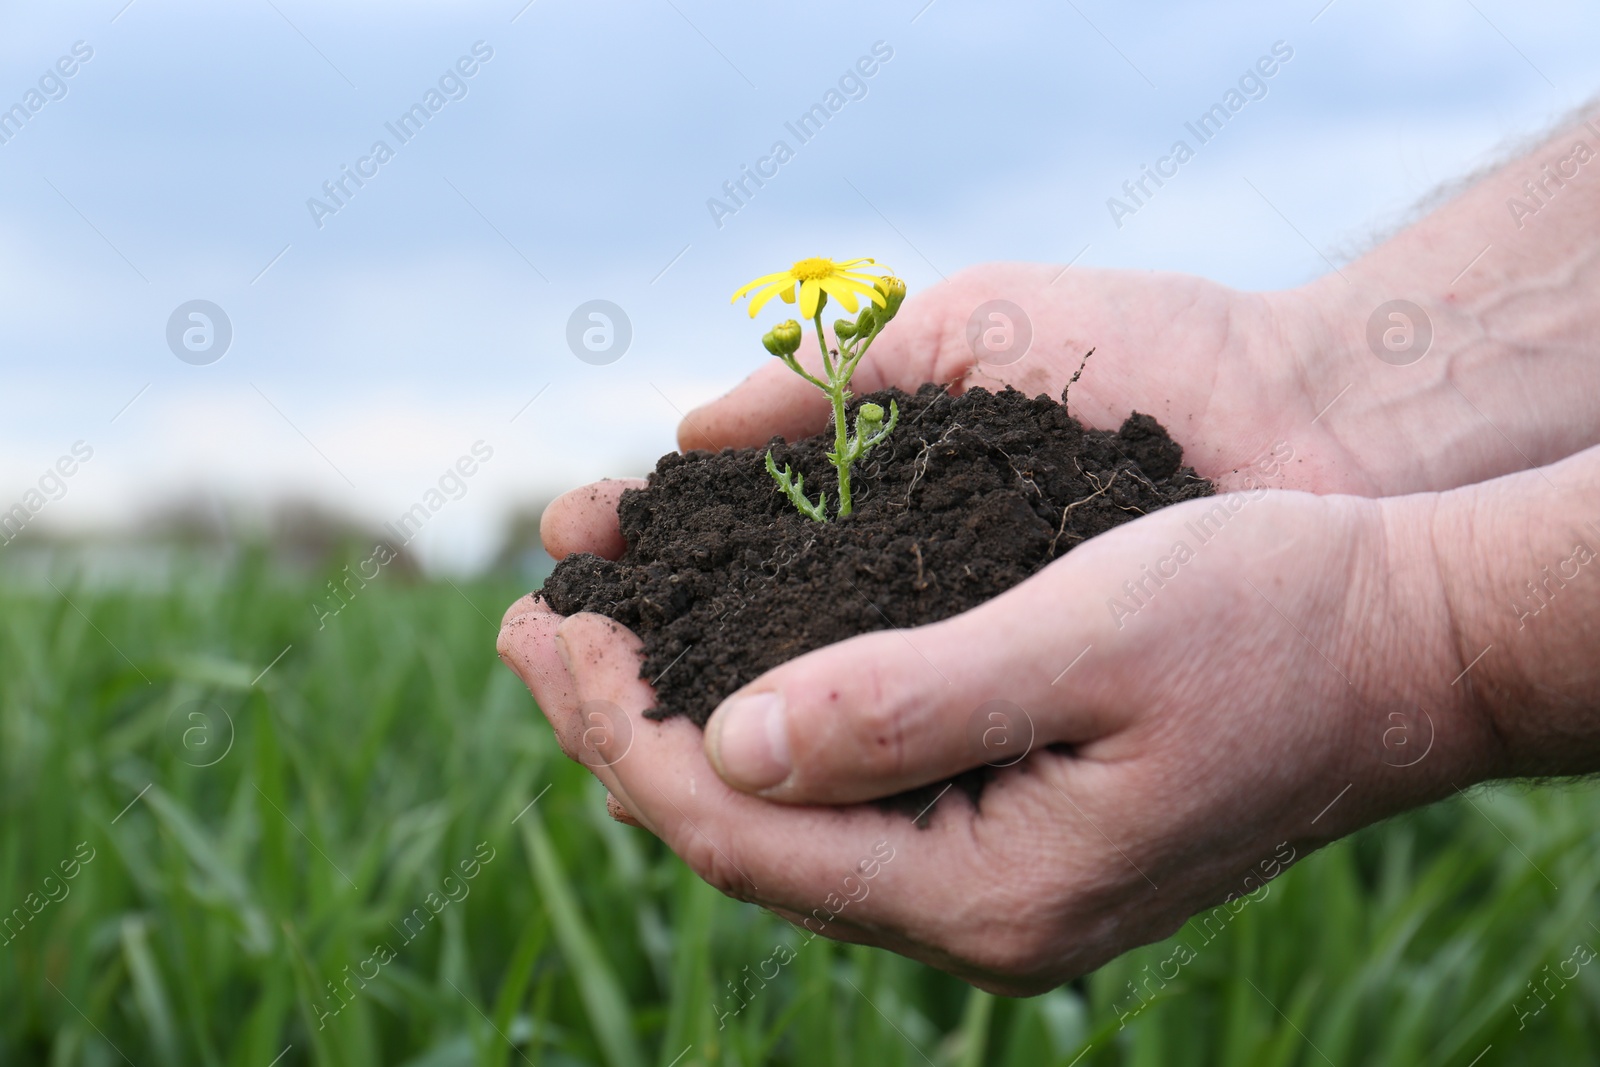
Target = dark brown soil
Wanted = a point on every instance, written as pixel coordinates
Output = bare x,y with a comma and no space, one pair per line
722,578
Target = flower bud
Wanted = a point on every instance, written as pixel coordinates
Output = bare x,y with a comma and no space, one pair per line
844,329
870,414
867,320
783,339
893,291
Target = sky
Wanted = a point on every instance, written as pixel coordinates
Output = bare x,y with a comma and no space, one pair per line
390,335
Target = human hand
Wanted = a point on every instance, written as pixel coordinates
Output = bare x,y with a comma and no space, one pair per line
1214,717
1494,372
1232,375
1248,701
1162,358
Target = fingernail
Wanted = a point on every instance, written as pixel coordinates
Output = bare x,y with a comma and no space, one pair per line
750,741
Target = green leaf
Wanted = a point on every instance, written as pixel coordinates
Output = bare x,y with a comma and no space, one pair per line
601,993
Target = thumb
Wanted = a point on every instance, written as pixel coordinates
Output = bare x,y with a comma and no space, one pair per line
773,400
889,711
913,349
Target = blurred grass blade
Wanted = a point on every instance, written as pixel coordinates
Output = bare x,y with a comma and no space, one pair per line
602,995
975,1029
155,1006
515,985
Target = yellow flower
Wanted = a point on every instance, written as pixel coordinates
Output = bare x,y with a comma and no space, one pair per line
814,277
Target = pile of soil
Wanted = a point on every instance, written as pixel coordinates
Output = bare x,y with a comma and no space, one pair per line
723,579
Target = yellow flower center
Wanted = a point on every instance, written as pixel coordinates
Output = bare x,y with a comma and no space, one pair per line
813,270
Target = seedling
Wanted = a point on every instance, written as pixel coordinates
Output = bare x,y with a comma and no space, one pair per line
816,280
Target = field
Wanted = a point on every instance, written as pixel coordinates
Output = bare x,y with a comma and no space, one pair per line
333,860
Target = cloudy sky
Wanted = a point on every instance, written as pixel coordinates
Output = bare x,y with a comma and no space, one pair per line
377,337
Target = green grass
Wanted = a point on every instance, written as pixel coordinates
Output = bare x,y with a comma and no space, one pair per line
377,754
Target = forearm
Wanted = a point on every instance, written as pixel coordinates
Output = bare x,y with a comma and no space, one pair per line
1507,273
1520,559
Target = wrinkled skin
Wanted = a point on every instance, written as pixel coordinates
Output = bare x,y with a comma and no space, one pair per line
1209,726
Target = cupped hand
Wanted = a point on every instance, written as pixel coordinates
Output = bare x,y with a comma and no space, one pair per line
1231,374
1204,694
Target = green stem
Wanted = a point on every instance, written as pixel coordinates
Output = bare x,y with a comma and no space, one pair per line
840,444
822,341
841,437
794,365
848,370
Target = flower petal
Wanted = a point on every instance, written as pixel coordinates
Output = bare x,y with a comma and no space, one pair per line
868,291
840,291
810,297
763,280
759,300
